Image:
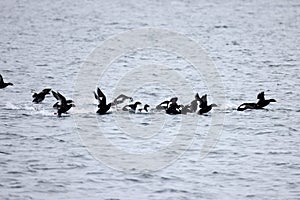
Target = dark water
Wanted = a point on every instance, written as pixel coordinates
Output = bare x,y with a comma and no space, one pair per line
254,45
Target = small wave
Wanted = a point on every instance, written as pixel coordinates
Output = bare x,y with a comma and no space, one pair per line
11,106
42,112
15,172
227,106
26,107
11,136
45,113
171,190
2,152
263,132
279,152
141,113
133,180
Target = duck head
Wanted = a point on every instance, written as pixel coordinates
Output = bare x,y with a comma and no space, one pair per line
137,103
261,96
146,107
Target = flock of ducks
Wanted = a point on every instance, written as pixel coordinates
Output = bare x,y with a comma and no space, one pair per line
62,105
199,105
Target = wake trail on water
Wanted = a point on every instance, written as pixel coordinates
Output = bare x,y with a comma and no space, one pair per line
30,108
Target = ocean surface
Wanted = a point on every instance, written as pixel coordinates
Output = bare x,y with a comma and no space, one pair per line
254,46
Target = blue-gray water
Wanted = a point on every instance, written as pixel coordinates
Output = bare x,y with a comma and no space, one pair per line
254,45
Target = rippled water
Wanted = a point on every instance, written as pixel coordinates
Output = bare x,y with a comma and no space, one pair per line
254,45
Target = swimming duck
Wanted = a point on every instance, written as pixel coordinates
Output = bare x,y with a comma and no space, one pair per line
246,106
173,108
39,97
261,103
165,104
3,84
131,107
64,106
103,107
204,108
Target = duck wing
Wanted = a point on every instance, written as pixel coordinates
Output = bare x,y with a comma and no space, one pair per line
126,108
55,95
100,96
103,101
163,105
46,91
96,96
121,98
132,106
261,96
197,97
100,93
62,98
245,106
1,79
203,101
194,105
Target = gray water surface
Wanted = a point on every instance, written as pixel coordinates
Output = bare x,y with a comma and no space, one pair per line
253,44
